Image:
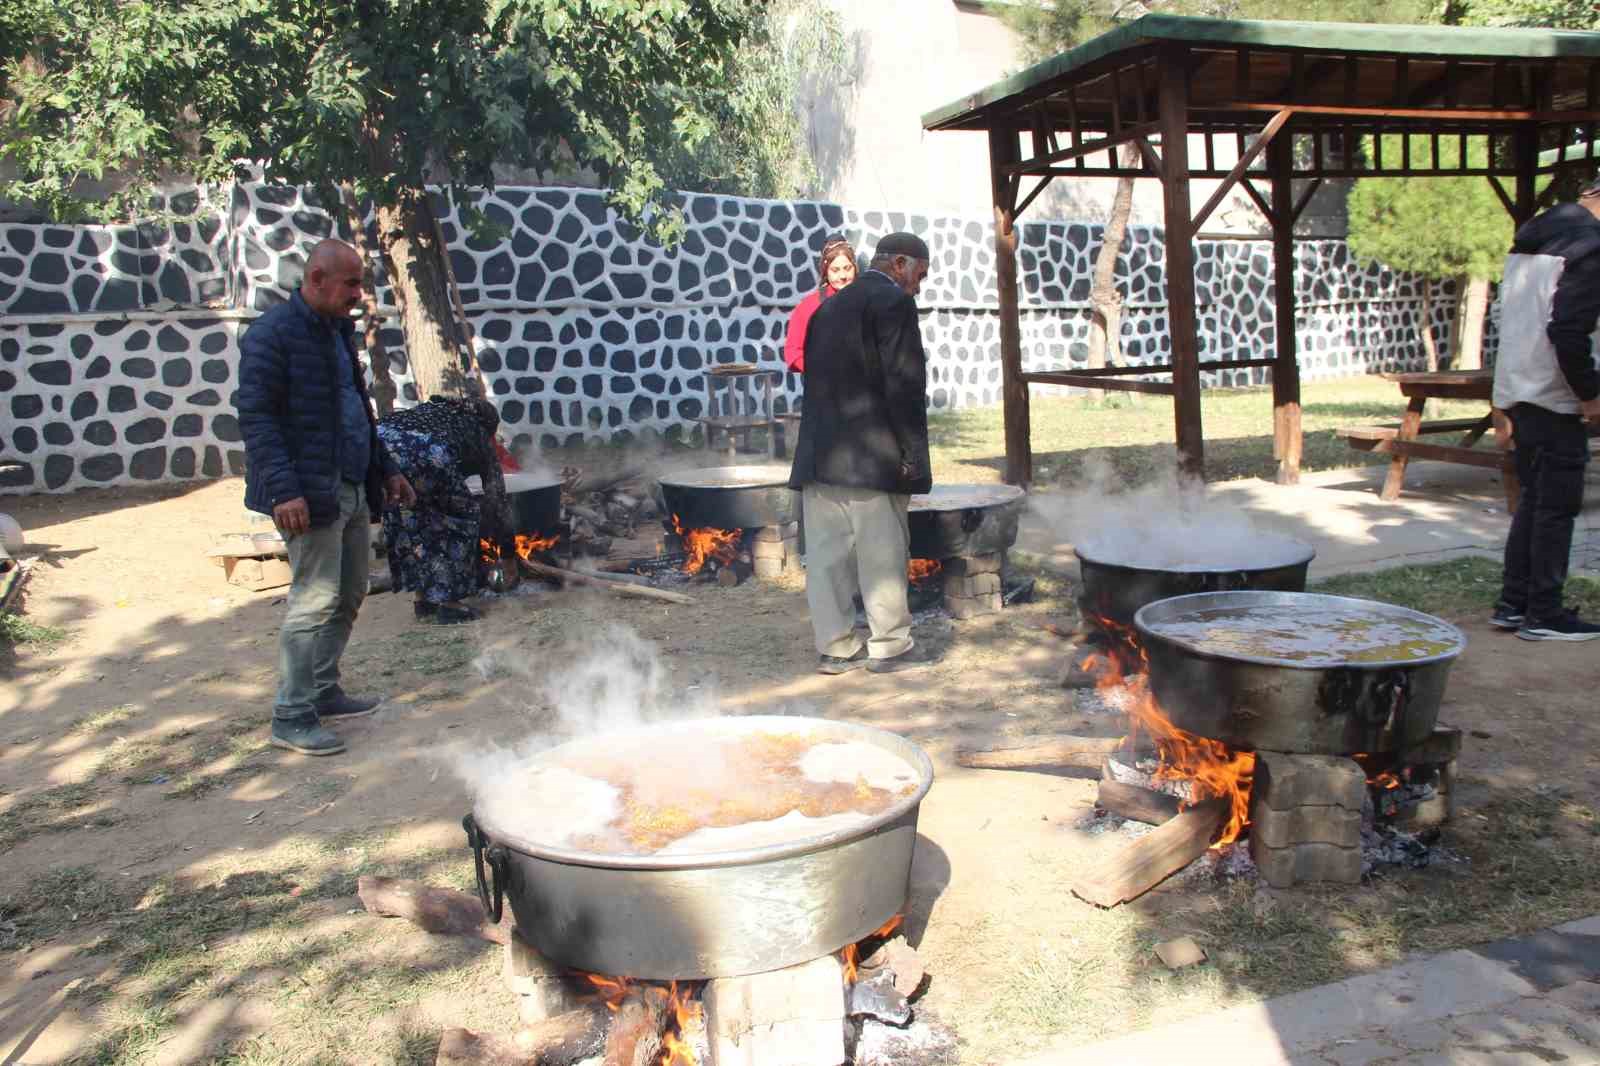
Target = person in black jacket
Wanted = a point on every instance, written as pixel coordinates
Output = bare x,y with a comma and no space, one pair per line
1547,382
862,453
315,464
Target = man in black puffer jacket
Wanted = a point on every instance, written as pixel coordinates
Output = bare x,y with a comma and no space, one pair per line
315,464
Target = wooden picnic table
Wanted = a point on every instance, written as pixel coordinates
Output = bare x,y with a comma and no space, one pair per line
1401,441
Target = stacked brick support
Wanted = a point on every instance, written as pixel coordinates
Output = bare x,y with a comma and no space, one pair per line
1305,815
775,550
972,585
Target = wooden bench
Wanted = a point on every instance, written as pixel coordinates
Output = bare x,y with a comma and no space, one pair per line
1401,442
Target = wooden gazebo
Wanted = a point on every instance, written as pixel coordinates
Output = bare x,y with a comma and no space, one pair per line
1293,100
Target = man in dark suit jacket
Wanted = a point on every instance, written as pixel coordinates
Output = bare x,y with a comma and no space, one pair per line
862,453
315,464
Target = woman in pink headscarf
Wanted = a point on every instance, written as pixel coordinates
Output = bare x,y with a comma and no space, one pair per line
836,269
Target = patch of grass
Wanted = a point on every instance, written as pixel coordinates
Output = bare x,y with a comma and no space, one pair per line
18,631
63,897
101,721
1457,587
1136,437
433,651
136,760
53,810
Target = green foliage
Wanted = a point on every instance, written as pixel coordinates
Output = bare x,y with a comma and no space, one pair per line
385,94
1437,227
16,630
1555,14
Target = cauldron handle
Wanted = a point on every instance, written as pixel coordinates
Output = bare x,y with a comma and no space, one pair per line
478,841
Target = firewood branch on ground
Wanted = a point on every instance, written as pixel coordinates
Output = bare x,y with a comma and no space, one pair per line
622,588
436,910
1141,864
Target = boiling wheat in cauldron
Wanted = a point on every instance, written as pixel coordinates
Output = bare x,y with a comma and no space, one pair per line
732,793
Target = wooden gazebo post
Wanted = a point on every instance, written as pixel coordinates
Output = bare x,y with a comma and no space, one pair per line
1286,434
1004,153
1181,324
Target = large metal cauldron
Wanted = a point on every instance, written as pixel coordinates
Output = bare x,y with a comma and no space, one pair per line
535,503
717,915
964,520
1381,700
1116,583
730,497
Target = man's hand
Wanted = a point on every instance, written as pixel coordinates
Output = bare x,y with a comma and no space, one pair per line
292,517
397,490
1590,410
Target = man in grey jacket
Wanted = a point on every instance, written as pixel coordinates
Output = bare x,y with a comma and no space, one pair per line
1546,380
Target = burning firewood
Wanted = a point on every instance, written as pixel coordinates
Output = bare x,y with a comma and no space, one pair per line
1061,750
622,588
564,1040
637,1026
1136,803
1144,863
436,910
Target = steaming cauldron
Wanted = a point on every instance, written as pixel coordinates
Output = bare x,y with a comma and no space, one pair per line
535,503
1298,672
717,914
1120,579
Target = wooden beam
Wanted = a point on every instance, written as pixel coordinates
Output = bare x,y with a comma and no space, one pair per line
1268,133
1305,199
1261,204
1136,803
1079,149
1505,198
1003,151
1287,437
1525,157
1181,324
1108,384
1034,195
1430,114
1150,368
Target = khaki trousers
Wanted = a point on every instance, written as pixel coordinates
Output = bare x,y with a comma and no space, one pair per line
330,566
857,540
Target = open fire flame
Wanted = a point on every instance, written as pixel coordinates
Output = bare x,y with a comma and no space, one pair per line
707,543
850,957
676,1048
920,570
526,547
1210,767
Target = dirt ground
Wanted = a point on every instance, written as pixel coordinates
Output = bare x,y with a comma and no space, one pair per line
134,775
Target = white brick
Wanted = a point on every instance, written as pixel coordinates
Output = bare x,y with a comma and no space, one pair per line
792,1017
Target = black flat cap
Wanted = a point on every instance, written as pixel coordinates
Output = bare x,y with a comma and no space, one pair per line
903,244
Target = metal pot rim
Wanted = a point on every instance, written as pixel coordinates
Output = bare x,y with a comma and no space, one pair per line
763,476
1262,597
514,483
912,753
1301,555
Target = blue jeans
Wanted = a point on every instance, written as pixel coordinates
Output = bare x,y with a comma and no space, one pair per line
330,565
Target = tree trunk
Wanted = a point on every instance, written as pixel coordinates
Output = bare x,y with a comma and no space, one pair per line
1105,321
1430,347
415,259
1471,308
383,387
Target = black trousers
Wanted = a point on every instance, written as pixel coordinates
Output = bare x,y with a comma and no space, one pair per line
1552,450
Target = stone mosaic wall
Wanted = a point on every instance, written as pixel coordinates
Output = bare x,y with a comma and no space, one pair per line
118,345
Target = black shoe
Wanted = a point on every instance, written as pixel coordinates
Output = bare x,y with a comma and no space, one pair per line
917,657
340,705
835,664
305,736
1506,617
1564,627
445,615
423,609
